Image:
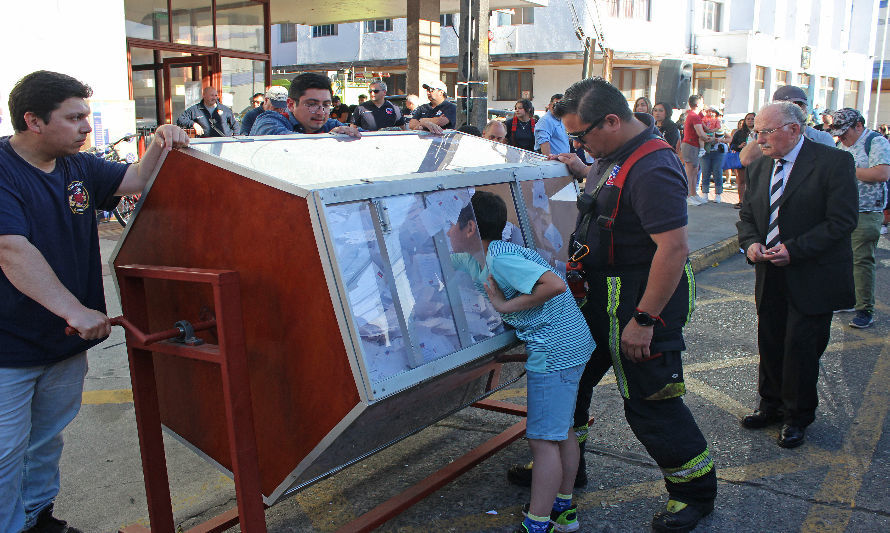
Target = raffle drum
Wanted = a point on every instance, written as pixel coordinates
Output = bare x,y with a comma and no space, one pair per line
361,323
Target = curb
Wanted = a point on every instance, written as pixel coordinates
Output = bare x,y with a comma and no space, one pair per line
709,256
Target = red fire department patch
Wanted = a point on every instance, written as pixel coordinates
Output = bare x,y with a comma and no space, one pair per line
78,197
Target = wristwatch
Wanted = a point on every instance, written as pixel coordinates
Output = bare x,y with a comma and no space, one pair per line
644,319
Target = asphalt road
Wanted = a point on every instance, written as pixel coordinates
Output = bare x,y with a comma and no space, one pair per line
835,482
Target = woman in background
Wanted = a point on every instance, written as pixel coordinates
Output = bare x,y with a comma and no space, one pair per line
740,138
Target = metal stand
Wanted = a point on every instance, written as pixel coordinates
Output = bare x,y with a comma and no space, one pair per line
229,354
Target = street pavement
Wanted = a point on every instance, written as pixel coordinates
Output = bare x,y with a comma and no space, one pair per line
835,482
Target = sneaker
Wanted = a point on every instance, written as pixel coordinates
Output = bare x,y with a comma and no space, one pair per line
703,199
692,200
850,310
883,229
564,522
717,199
862,320
523,529
47,523
681,517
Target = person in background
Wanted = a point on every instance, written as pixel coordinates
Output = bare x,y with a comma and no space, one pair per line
470,130
411,103
521,128
825,125
209,118
495,131
255,101
306,110
871,153
339,110
740,138
377,113
662,112
643,105
437,115
692,149
550,134
275,92
715,153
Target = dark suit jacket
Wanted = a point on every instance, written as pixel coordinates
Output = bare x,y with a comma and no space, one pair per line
818,211
223,120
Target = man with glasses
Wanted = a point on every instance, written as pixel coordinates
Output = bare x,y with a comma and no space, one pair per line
795,224
871,152
640,288
377,113
437,115
307,110
797,96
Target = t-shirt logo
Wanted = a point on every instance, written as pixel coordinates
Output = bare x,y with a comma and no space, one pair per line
78,197
389,111
439,112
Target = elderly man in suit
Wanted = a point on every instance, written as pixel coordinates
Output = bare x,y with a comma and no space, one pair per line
795,225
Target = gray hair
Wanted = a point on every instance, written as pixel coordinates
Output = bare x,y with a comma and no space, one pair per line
413,98
380,85
493,122
789,111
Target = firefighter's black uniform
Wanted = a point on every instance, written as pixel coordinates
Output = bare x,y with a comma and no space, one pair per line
652,200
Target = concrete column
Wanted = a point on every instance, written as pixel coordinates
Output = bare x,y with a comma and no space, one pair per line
423,45
472,63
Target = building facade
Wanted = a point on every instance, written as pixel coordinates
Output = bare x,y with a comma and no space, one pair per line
741,50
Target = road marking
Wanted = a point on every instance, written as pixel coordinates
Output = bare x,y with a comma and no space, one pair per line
99,397
732,294
844,479
716,397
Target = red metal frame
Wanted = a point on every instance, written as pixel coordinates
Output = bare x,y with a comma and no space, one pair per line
229,354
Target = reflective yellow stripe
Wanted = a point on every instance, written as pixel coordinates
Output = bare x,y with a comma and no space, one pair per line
613,291
695,468
690,278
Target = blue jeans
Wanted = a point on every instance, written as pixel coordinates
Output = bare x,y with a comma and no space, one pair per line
712,166
36,403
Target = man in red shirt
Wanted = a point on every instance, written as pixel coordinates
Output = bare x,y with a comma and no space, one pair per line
692,148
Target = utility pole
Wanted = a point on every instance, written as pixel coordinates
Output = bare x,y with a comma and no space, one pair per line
874,122
472,64
608,55
589,50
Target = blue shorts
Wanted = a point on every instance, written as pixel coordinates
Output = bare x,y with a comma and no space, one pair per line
551,403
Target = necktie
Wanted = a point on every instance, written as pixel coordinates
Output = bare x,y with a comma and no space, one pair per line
775,192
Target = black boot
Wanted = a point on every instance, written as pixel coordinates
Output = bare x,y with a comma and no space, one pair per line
47,523
680,517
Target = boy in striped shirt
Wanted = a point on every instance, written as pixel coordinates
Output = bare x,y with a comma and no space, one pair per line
533,297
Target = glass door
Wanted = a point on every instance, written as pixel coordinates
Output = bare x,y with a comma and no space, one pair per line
184,79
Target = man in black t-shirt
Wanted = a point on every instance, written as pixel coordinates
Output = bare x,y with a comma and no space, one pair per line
640,289
377,113
439,114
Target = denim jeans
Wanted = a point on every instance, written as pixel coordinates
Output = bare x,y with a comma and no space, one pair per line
712,166
865,243
36,403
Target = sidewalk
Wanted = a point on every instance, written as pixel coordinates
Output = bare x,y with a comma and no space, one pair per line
712,230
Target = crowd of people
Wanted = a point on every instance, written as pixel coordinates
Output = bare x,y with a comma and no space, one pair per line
809,221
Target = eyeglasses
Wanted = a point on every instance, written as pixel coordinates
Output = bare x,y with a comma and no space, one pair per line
578,136
375,91
315,107
769,132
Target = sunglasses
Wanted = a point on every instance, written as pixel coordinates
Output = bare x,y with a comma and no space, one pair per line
578,136
375,91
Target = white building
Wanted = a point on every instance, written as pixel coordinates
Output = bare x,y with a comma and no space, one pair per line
741,50
880,76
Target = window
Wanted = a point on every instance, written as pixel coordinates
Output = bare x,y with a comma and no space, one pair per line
446,20
449,78
632,82
781,78
287,33
514,84
377,26
803,81
711,85
628,9
711,15
759,96
513,17
324,31
851,97
826,92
